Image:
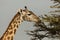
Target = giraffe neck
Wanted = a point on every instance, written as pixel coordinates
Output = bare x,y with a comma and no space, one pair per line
11,30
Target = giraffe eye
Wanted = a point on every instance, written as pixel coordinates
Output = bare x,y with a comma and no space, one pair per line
29,14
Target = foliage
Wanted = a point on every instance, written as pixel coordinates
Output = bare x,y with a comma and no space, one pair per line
49,25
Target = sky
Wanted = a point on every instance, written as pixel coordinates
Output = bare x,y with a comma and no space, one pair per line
8,9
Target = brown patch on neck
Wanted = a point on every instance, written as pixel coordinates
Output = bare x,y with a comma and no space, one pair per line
10,32
14,31
14,25
18,21
17,26
11,37
8,37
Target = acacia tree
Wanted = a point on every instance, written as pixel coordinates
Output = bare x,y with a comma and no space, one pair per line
49,26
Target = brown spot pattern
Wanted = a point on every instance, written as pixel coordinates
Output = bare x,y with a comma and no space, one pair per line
10,32
14,31
17,26
11,37
18,21
8,37
14,22
14,25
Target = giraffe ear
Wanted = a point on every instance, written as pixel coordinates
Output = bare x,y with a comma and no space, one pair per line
19,11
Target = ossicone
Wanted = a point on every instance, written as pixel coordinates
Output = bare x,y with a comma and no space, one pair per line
25,7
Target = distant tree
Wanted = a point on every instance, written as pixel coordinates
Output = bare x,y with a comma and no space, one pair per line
55,1
49,26
57,5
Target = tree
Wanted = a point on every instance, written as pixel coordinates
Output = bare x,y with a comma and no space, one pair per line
52,29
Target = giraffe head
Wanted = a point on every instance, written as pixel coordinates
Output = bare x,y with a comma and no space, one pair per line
28,15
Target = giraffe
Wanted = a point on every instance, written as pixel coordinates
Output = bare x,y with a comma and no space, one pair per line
22,15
